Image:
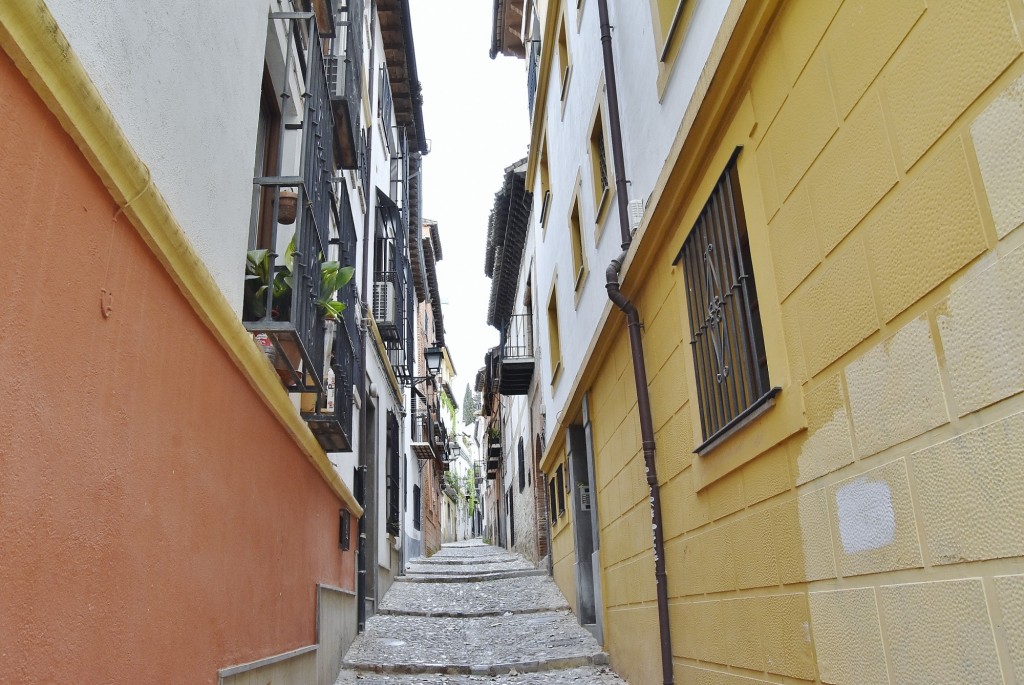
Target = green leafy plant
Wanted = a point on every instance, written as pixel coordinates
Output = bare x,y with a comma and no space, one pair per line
333,277
258,279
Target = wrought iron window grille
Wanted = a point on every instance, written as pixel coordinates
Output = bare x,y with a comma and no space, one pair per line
290,325
727,341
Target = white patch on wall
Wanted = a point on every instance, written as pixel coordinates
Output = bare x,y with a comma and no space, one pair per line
867,519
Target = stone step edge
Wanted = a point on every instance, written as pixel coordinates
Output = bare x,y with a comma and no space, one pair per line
499,575
464,571
537,666
460,561
471,614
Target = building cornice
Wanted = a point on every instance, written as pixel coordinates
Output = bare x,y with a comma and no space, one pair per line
30,35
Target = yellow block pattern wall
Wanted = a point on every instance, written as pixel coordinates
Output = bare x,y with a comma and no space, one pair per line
883,541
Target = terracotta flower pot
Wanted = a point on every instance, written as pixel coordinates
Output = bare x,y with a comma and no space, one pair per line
287,206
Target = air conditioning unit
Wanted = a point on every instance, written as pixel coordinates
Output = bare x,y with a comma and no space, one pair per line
636,214
384,309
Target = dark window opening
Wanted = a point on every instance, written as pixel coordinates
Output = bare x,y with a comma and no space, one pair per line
344,530
416,505
522,466
560,490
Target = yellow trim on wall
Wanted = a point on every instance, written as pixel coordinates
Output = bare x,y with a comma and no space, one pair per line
29,34
382,354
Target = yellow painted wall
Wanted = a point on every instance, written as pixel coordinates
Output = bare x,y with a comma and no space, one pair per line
563,546
870,527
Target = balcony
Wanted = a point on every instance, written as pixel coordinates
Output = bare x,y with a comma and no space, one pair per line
516,356
282,290
493,456
329,413
430,437
345,80
392,293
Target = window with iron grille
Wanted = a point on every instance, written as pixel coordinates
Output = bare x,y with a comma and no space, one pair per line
551,500
416,505
393,476
726,338
344,530
522,466
560,490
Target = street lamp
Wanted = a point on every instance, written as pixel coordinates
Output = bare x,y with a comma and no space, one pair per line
432,356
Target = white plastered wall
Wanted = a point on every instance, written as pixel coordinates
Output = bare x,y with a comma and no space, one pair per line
649,127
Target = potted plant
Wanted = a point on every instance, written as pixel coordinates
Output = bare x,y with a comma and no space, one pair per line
258,279
333,277
287,206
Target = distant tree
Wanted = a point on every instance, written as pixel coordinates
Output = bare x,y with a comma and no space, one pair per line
470,406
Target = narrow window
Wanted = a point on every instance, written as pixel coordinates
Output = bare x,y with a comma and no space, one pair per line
416,504
726,338
545,186
551,500
344,530
560,490
564,63
554,346
598,163
579,258
522,466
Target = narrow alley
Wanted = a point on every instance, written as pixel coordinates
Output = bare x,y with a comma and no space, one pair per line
474,613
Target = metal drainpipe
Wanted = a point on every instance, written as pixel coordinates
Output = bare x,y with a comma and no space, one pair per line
643,397
368,522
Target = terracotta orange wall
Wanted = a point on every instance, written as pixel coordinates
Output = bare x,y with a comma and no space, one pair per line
156,522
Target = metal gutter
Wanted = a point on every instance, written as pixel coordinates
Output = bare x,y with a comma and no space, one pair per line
636,345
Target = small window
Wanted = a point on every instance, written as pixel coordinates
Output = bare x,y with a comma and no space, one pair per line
416,505
522,466
726,338
598,163
551,500
554,346
579,256
564,59
545,186
560,490
344,530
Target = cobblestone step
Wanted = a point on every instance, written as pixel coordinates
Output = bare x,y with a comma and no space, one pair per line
470,615
465,561
591,675
474,646
469,569
467,578
495,597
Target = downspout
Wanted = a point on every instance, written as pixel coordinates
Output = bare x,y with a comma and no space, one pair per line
643,397
367,568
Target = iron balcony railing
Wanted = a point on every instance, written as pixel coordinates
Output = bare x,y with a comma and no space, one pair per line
289,323
330,418
400,174
386,107
532,71
345,80
517,338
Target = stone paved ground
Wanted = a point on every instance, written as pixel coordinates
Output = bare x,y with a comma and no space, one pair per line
483,616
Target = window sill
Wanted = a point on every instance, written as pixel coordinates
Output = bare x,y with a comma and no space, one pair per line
601,211
556,373
746,417
745,439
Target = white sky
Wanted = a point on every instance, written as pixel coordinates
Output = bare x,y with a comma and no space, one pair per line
476,119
